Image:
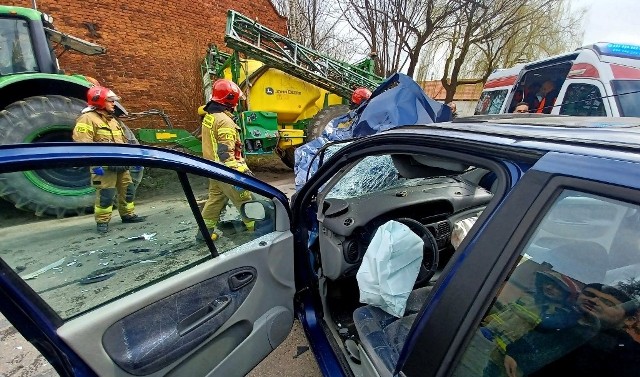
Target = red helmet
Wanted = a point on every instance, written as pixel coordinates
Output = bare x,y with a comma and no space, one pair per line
97,96
226,93
359,95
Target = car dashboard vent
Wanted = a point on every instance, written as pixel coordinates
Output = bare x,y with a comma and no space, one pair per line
444,229
351,251
443,234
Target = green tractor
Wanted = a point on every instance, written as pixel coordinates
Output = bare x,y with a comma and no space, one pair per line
39,104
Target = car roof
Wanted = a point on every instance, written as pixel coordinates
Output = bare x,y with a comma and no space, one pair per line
593,131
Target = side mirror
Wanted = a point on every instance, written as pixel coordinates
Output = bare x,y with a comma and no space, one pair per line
254,210
47,18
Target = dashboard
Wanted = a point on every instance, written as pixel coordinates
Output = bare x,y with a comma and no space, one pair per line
346,226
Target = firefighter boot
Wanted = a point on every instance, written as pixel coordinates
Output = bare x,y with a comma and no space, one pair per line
127,219
102,228
213,233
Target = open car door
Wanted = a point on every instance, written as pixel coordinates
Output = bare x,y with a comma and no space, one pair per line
147,298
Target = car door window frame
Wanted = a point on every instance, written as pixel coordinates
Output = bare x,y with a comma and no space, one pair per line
39,329
303,205
193,205
18,296
377,145
537,195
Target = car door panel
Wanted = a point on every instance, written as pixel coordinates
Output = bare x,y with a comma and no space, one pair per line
179,320
167,305
140,335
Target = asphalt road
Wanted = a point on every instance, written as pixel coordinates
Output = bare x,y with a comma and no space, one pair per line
18,358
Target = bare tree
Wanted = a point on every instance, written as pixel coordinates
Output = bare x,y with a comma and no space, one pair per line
318,25
397,30
381,24
425,20
530,39
488,27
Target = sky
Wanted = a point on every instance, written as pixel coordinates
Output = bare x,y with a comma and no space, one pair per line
603,21
610,20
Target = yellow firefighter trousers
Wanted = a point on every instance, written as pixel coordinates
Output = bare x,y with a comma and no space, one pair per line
107,186
219,195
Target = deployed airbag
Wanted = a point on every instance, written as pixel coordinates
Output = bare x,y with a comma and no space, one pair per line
390,267
460,230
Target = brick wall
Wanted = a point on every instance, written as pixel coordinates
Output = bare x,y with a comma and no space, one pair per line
154,47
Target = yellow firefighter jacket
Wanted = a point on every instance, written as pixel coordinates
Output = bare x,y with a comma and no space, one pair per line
221,141
99,127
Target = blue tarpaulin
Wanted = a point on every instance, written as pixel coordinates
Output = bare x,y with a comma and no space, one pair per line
398,101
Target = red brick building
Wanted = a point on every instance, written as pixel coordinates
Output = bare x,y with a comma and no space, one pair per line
154,47
466,96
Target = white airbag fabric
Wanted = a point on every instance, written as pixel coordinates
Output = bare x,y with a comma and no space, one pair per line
460,230
390,267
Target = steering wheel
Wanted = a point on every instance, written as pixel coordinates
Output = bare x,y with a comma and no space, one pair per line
429,251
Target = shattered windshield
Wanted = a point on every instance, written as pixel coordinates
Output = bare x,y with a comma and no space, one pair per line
16,50
372,174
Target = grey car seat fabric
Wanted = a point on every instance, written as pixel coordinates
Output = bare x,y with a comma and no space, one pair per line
382,335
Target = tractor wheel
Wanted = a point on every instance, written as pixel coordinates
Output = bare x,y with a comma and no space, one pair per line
315,128
288,157
58,192
322,118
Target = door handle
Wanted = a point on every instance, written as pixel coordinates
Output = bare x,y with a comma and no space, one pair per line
202,315
241,279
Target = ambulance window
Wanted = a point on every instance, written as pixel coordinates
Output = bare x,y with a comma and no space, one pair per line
490,102
583,100
627,97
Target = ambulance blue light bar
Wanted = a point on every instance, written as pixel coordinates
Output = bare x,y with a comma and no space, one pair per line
620,50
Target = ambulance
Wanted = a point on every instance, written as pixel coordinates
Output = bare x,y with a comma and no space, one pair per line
602,79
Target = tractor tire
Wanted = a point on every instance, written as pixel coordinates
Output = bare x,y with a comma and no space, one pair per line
322,118
314,130
288,157
58,192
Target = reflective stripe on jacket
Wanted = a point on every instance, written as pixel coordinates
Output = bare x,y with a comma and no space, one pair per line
221,141
98,127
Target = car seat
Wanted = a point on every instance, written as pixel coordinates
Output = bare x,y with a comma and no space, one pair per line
382,335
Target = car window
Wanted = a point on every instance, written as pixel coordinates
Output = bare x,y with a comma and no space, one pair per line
627,93
583,100
74,269
571,303
16,51
490,102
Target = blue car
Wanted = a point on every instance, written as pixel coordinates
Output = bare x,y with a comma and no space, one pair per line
529,261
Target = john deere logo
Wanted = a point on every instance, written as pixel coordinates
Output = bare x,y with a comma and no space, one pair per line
269,91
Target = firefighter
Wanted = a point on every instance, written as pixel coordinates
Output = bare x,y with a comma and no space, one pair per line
221,143
97,124
359,95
